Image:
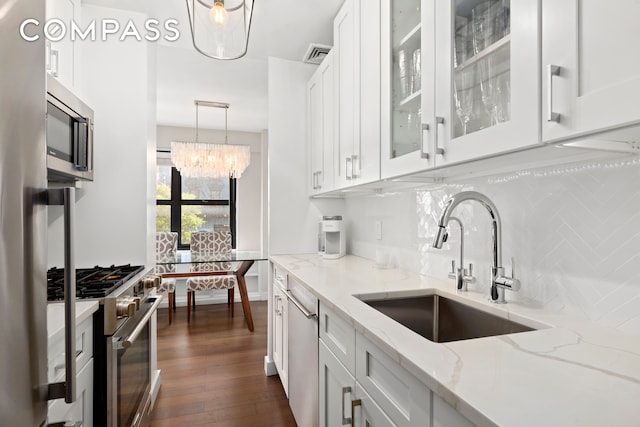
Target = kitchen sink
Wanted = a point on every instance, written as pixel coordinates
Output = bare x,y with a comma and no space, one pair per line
440,319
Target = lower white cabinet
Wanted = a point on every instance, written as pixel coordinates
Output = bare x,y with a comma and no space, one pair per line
80,411
280,333
445,415
342,400
400,395
377,391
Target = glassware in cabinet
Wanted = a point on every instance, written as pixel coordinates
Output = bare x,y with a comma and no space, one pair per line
481,92
406,77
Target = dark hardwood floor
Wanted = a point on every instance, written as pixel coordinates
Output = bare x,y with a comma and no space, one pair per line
213,371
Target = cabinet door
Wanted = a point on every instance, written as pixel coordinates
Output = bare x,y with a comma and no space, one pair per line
487,74
400,395
444,415
593,44
82,409
61,53
368,413
366,165
315,130
336,388
408,98
280,333
346,44
320,115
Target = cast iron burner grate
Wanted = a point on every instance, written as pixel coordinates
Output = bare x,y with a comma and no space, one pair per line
96,282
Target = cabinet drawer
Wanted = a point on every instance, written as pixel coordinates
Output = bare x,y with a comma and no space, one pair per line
399,394
280,277
84,351
82,409
339,335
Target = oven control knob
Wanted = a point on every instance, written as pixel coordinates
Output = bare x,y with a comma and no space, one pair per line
136,301
126,307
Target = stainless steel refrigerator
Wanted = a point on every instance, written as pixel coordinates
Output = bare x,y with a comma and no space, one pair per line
23,220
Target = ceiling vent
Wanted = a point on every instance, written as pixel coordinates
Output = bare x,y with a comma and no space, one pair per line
316,53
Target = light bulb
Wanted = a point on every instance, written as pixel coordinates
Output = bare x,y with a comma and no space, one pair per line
219,14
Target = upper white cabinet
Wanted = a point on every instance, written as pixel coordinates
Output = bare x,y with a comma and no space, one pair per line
320,111
591,66
356,32
408,61
61,55
461,81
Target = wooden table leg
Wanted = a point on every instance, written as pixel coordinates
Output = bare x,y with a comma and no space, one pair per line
242,287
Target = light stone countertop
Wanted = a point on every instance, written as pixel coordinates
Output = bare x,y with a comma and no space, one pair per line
55,317
569,373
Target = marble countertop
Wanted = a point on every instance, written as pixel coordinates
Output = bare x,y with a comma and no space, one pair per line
55,317
567,373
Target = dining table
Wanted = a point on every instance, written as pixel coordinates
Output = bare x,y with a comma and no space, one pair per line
239,260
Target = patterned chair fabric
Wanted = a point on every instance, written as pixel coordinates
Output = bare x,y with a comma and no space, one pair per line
205,244
166,246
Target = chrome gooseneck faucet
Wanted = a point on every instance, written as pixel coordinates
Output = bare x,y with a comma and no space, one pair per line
499,282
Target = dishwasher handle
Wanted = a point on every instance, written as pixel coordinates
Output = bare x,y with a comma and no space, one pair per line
298,304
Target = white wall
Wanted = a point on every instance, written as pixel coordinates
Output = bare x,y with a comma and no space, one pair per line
249,184
112,212
574,233
293,217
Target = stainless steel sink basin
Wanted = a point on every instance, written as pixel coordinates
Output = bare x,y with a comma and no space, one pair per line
440,319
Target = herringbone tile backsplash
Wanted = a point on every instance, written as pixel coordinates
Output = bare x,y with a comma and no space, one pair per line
573,235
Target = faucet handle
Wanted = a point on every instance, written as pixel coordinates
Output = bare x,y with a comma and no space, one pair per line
453,274
468,275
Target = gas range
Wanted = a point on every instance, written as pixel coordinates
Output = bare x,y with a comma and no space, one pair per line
121,290
91,283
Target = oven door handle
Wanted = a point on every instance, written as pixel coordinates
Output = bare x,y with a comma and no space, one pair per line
67,389
130,339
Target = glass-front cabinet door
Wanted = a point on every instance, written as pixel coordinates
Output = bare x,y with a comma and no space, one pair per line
407,91
487,78
478,91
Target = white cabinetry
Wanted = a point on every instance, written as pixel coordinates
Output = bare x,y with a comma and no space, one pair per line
444,415
280,326
320,117
357,87
404,399
61,55
81,411
358,379
474,99
590,65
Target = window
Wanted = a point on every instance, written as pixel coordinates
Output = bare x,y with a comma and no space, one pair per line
185,205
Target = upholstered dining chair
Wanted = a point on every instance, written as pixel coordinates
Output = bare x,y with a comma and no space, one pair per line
204,245
166,248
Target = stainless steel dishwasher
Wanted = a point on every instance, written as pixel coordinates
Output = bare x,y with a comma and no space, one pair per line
303,354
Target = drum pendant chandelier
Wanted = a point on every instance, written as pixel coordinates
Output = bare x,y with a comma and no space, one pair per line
208,160
220,28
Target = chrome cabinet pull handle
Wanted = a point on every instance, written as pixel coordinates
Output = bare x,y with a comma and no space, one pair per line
552,70
424,154
318,180
355,166
346,420
439,121
348,164
354,403
67,389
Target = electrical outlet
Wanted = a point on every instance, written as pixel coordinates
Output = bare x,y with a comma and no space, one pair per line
378,230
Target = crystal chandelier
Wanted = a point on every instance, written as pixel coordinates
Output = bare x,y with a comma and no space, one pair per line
220,28
206,160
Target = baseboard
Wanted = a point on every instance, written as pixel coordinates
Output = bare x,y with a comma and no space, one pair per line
269,367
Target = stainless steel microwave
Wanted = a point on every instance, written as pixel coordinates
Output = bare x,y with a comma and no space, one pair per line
69,135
